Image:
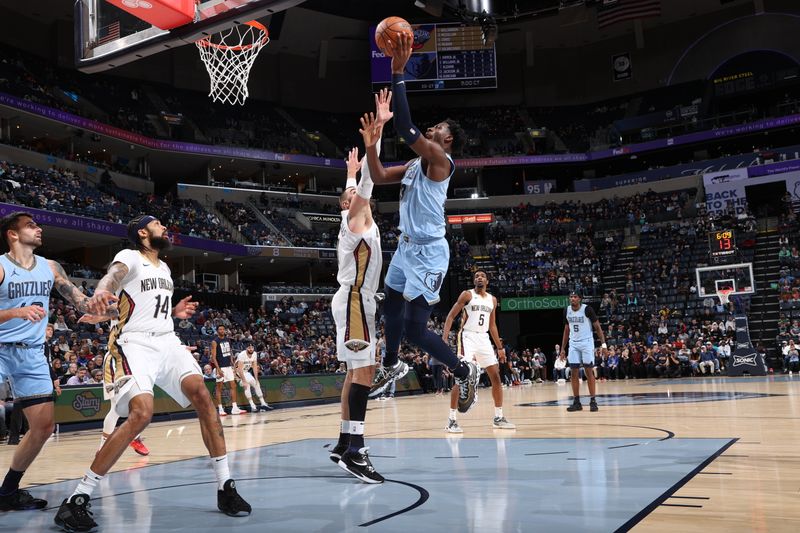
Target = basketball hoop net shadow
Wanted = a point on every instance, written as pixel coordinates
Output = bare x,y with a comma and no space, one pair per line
229,56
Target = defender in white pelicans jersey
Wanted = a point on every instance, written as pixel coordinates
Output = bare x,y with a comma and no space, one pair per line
143,351
477,308
353,308
579,320
247,372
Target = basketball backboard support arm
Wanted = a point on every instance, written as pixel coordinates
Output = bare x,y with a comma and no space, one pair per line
106,42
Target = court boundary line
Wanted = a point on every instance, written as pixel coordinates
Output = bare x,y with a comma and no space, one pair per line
641,515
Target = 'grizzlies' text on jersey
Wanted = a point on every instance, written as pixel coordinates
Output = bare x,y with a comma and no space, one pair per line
580,323
422,203
20,288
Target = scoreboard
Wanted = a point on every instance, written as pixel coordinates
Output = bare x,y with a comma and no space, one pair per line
722,243
445,57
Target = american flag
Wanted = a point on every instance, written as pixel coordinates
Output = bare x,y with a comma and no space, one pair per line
109,33
627,10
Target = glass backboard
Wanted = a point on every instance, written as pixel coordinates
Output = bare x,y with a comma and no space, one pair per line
738,277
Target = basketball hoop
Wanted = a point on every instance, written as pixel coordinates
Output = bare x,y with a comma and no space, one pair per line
724,295
228,57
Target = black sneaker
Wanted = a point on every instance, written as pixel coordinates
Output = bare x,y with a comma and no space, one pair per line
384,376
229,501
359,465
21,500
467,395
337,451
74,514
593,405
576,406
265,408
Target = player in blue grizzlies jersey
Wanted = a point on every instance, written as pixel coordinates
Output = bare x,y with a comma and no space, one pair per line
420,263
579,320
26,280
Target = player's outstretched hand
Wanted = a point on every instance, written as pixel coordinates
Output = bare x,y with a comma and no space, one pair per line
93,319
383,101
370,130
401,51
353,163
100,301
185,308
31,313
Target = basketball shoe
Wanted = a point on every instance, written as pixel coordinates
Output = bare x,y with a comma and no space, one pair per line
139,447
359,465
453,427
467,393
21,500
229,501
74,514
384,376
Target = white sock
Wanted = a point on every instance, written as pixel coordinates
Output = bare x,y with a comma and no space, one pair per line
356,427
498,412
261,399
252,406
234,406
345,426
221,470
453,413
88,483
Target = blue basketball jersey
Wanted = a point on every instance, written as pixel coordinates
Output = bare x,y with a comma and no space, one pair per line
224,351
20,288
422,203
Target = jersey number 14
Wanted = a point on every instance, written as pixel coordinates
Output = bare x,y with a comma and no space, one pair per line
162,309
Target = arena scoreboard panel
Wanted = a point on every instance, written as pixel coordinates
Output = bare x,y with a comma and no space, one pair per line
445,57
722,243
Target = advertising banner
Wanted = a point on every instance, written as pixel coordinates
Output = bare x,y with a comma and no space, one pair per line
534,303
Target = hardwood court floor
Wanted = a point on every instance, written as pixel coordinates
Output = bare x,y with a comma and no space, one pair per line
748,478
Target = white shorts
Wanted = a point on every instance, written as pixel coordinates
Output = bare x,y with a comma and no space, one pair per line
227,374
354,315
476,347
136,362
581,352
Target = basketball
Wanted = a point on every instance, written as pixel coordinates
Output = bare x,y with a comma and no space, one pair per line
389,29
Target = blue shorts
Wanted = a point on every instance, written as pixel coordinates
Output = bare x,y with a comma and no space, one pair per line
28,371
419,269
581,353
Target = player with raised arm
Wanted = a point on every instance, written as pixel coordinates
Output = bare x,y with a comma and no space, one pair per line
354,307
420,263
579,319
26,280
144,351
478,309
247,372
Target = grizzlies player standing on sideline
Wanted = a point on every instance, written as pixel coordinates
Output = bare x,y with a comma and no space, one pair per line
222,360
353,308
144,351
579,319
25,283
420,263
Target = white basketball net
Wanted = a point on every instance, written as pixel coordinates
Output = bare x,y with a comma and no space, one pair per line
228,57
724,295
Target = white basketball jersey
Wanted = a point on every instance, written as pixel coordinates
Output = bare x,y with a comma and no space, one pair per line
248,360
145,296
475,316
580,325
360,258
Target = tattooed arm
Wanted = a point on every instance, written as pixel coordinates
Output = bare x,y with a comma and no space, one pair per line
73,295
104,292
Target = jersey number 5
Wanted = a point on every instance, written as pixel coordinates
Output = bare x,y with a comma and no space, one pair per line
576,328
480,319
163,309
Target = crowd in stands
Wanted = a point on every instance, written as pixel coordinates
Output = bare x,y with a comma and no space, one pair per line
61,191
788,285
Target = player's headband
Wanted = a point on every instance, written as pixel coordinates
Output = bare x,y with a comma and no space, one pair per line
573,293
133,233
